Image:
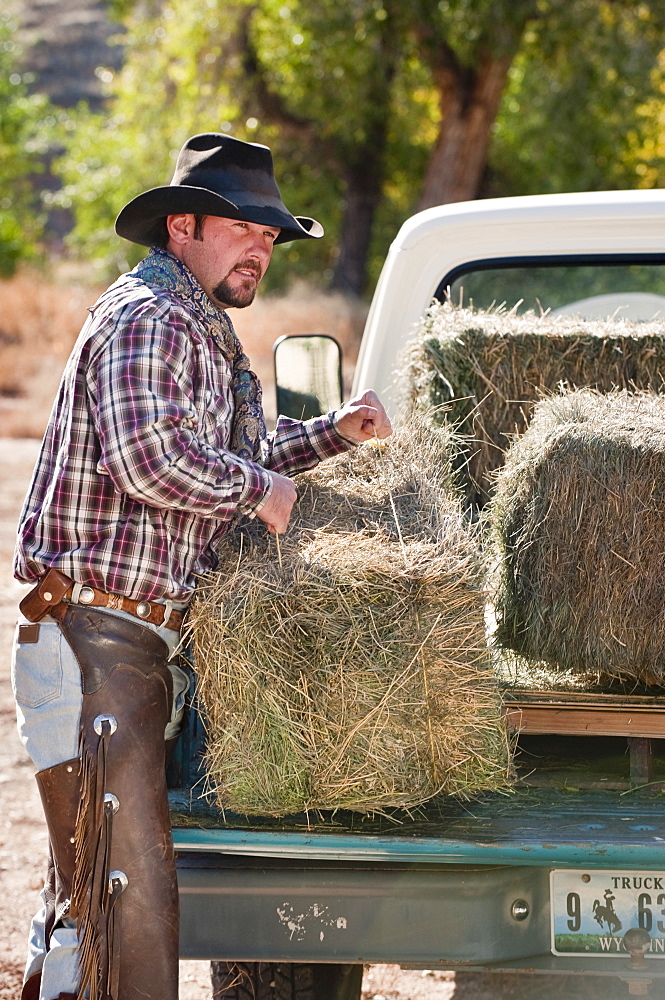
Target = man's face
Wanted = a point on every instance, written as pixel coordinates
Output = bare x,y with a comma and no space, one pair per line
227,257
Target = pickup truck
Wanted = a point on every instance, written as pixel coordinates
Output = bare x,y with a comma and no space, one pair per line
511,883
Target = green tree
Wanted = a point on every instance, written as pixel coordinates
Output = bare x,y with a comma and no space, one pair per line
314,81
469,47
330,75
645,145
153,104
25,121
324,73
583,109
374,108
565,87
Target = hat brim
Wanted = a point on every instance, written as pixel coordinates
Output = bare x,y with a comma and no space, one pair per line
141,220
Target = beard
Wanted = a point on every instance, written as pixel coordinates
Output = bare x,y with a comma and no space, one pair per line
238,292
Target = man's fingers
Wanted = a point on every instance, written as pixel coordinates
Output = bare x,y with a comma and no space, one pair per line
276,511
364,418
278,524
384,428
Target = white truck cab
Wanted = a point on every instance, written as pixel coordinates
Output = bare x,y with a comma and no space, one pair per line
503,251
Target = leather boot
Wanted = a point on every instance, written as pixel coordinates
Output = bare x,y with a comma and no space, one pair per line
30,990
60,791
124,895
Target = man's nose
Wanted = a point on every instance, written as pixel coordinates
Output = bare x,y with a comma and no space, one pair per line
260,247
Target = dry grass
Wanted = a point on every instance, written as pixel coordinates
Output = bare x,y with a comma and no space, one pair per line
39,322
491,368
346,666
579,514
40,319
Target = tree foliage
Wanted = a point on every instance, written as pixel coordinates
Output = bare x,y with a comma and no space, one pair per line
469,47
583,109
25,122
374,108
280,73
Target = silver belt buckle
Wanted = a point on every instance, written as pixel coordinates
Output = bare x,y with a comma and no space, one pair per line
143,609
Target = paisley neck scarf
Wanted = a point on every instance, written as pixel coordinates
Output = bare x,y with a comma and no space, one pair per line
248,431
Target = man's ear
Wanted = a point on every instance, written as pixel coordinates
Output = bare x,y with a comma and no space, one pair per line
180,228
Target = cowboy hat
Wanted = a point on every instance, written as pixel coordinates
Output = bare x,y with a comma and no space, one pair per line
216,174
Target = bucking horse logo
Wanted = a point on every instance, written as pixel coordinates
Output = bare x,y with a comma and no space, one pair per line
604,913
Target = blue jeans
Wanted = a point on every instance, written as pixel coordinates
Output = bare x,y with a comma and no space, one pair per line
46,681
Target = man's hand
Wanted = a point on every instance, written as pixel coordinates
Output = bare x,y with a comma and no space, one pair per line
363,418
276,511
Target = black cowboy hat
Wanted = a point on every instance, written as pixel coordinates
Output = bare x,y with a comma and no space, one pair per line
216,175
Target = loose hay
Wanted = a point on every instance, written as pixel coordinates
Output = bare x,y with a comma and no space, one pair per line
347,667
579,514
490,368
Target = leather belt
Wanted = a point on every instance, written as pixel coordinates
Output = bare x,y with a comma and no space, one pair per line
146,611
55,591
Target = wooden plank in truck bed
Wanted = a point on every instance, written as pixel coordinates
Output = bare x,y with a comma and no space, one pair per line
571,713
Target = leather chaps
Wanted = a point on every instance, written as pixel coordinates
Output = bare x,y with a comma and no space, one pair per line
112,864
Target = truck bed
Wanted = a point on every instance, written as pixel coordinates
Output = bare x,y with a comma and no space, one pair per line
406,887
573,799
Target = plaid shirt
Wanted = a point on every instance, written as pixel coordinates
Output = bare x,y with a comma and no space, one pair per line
134,482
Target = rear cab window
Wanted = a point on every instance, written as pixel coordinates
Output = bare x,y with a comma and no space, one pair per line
626,287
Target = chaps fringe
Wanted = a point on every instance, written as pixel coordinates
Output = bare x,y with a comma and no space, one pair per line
94,892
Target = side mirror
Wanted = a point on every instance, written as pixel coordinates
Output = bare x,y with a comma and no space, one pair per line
308,375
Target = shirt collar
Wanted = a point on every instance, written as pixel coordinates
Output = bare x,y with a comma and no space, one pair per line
162,268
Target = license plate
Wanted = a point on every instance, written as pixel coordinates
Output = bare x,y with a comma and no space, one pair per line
592,910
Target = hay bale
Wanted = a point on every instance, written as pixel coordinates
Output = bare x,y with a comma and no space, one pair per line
579,514
347,667
490,368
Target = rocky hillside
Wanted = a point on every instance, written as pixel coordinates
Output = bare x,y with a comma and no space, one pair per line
67,44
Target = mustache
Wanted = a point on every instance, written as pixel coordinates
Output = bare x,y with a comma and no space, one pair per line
249,265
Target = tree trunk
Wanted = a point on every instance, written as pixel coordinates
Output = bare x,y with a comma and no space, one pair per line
363,189
364,176
469,105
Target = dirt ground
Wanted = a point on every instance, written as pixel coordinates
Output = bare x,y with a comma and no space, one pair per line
23,835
